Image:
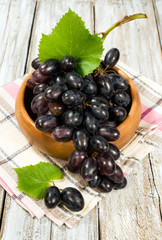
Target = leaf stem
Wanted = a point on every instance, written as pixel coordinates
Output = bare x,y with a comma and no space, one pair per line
122,21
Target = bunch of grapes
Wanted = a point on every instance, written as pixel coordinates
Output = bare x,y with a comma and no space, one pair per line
86,110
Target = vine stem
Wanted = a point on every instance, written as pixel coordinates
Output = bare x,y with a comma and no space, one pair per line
122,21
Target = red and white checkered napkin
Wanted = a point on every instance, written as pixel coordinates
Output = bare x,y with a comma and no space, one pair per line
15,151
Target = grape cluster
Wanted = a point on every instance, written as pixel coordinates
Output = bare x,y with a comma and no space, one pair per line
86,110
70,197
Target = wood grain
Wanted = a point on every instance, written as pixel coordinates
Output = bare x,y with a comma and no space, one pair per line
15,24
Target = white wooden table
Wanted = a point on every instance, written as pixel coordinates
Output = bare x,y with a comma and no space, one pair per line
135,212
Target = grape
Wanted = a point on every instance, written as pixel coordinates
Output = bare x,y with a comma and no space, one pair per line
100,111
54,93
89,169
72,117
72,199
99,144
62,133
49,67
106,164
105,185
98,100
73,98
73,80
30,84
105,86
91,123
75,161
56,108
109,133
39,88
114,151
37,77
111,57
102,123
59,79
39,104
121,185
46,123
89,86
52,197
35,63
95,181
81,139
67,64
117,176
118,81
121,98
118,114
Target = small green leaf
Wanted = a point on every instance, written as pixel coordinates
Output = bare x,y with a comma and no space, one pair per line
34,180
71,38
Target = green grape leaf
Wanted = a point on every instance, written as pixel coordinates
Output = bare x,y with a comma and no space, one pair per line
71,38
34,180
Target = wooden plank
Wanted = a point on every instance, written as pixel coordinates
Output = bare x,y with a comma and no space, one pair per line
137,41
15,24
133,213
18,224
157,4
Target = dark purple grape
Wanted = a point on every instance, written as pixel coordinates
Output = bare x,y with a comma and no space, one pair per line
46,123
72,199
62,133
121,185
99,144
49,67
121,98
115,152
54,93
52,197
106,164
105,86
95,181
118,114
89,169
30,84
39,104
90,123
59,79
117,176
105,185
57,108
102,123
73,80
35,63
73,117
67,64
75,161
89,86
100,112
118,81
109,133
98,100
73,98
37,77
39,88
111,57
81,139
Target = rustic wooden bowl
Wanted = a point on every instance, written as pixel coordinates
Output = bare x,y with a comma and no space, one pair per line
45,142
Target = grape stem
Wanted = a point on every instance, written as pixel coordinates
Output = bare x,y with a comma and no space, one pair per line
122,21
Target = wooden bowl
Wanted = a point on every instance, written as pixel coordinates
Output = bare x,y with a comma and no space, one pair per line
45,142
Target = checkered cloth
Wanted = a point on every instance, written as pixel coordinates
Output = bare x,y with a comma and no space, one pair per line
15,151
